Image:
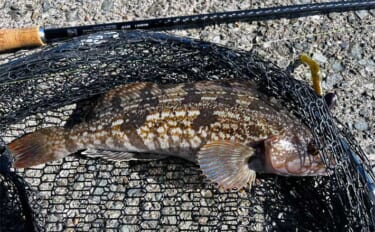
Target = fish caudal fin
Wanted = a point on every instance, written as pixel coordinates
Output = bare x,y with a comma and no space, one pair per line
39,147
226,163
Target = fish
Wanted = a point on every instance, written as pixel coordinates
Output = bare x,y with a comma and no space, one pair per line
229,128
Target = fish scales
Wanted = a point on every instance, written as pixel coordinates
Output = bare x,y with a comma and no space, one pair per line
146,126
221,125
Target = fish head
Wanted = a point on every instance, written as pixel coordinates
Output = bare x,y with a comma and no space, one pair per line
293,154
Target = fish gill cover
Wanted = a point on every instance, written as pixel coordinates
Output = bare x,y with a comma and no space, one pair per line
42,89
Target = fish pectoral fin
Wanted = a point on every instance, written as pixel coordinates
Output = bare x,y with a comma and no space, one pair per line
121,155
226,163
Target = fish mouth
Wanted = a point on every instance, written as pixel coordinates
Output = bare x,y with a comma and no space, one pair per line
295,167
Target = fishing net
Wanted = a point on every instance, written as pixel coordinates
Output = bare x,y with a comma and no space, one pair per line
78,193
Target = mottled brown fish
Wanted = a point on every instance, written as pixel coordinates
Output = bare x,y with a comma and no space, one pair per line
228,128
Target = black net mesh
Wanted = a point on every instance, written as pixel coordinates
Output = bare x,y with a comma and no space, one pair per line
78,193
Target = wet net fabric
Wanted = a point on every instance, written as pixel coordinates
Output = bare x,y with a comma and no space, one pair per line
79,193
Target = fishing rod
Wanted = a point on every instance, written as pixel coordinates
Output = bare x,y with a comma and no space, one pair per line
38,36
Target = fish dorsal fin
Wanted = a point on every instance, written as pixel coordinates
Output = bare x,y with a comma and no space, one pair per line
120,155
132,91
84,111
226,163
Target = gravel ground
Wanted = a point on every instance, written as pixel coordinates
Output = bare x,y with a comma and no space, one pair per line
343,43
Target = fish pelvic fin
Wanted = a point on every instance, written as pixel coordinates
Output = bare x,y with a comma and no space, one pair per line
226,163
39,147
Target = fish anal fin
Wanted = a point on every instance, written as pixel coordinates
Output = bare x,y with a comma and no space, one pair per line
226,163
121,155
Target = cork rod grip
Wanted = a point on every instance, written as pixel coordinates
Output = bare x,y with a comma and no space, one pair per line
19,38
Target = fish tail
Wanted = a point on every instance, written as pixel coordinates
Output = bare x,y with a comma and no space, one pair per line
39,147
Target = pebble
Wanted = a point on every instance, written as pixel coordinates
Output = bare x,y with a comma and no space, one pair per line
344,44
134,192
35,15
107,5
356,51
337,67
333,15
99,191
14,7
351,18
363,62
14,15
204,211
46,5
216,39
169,220
319,57
370,67
129,228
361,13
301,1
370,149
203,220
185,225
361,125
206,193
30,5
72,15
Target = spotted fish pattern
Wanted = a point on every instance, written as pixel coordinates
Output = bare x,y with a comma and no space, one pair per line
229,128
